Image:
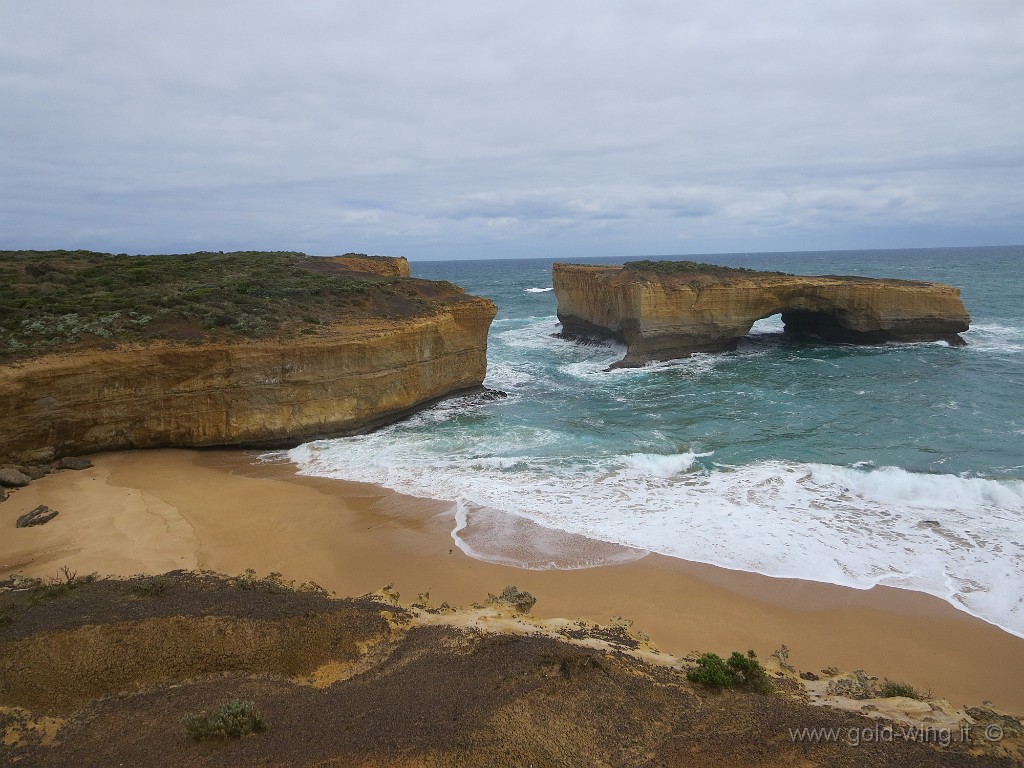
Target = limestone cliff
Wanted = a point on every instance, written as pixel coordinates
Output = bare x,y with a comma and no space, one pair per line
104,352
259,392
662,313
386,266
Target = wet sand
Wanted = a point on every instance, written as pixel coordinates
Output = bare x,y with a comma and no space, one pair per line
154,511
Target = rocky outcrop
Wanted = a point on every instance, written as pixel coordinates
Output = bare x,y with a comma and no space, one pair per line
518,600
13,478
665,312
41,515
74,462
351,377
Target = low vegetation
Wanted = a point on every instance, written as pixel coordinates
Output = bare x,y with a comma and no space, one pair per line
54,299
66,582
273,583
892,688
691,268
151,587
232,720
738,671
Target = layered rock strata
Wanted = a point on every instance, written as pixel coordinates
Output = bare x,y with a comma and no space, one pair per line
661,315
385,266
345,377
244,393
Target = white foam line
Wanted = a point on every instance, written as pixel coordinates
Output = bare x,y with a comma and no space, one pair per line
847,526
461,521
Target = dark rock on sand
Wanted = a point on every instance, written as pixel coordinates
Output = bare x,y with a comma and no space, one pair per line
856,685
37,471
38,516
13,478
74,462
521,602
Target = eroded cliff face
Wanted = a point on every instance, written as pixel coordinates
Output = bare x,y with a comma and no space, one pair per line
664,316
348,378
385,266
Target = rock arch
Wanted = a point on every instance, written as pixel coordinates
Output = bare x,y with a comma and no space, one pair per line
661,312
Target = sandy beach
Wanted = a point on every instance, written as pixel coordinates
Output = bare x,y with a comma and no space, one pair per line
155,511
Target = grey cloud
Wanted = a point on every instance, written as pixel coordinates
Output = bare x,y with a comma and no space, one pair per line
528,207
437,129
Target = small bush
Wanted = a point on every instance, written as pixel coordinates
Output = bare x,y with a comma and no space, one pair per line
64,584
892,688
153,587
273,582
691,269
233,720
711,671
739,671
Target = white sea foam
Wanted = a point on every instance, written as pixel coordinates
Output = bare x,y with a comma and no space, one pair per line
994,337
696,364
272,457
661,465
487,534
590,362
959,538
539,334
538,290
504,375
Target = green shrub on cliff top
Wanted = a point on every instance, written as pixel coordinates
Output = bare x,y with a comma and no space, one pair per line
739,671
691,268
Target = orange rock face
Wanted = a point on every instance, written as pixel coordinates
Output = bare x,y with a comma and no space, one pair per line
268,392
665,316
386,266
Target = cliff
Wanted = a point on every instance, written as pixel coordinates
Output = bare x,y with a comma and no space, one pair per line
389,349
661,311
386,266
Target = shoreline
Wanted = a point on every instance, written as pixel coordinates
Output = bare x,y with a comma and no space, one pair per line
161,510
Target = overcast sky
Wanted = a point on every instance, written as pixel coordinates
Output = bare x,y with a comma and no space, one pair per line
520,129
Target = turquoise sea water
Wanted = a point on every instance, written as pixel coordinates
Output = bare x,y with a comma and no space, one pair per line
897,464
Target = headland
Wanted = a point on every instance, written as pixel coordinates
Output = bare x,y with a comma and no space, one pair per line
104,352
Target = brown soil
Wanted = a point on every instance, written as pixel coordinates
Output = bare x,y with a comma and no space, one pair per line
101,673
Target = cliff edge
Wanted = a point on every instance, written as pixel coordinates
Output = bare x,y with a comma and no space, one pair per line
386,266
356,350
667,310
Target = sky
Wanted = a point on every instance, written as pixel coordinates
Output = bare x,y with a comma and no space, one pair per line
459,129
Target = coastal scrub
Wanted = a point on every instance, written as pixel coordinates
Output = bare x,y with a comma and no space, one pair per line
57,299
233,719
738,671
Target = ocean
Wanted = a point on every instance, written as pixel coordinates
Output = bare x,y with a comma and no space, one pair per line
899,464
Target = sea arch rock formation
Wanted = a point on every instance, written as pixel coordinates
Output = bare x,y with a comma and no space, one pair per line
667,310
